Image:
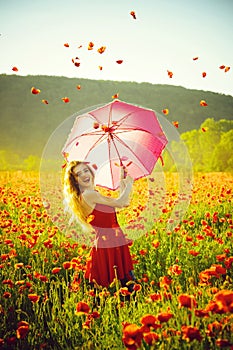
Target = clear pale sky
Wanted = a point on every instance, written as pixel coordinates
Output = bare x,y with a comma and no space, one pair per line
166,35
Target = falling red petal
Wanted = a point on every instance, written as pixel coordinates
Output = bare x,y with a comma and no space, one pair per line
133,14
45,102
66,45
78,87
195,58
100,67
15,69
101,49
176,124
165,111
115,96
90,45
222,67
35,91
227,69
119,61
203,103
170,74
204,74
65,99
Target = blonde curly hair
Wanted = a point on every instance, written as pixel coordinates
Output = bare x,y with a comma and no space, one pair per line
73,196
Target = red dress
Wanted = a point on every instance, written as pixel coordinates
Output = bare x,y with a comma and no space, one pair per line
111,248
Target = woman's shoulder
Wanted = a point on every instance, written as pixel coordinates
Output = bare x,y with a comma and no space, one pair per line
89,195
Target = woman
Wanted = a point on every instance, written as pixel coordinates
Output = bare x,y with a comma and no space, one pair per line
110,255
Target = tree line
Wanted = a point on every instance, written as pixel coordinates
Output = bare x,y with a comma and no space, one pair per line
209,147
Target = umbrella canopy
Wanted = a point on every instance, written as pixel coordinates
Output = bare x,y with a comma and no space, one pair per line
116,134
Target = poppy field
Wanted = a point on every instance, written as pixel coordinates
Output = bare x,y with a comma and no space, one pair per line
183,295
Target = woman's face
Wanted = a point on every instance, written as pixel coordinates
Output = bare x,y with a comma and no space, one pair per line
83,176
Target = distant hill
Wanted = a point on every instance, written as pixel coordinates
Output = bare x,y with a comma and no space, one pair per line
26,123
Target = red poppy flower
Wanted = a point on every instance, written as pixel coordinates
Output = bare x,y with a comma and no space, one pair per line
191,333
9,282
147,322
214,328
193,252
137,287
67,265
22,330
7,295
164,316
151,338
175,270
186,300
82,308
223,343
155,297
132,336
201,313
155,244
34,297
94,314
224,300
165,281
56,270
124,291
19,265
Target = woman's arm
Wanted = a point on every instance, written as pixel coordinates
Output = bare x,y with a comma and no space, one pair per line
94,197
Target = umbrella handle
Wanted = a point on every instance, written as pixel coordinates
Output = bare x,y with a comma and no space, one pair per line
124,171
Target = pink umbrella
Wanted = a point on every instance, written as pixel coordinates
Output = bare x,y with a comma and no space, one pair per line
114,135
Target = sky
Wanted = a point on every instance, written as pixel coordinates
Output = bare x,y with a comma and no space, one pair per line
165,36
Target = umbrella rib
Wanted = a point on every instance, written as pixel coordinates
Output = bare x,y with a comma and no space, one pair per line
85,134
121,131
125,145
113,141
110,115
127,116
109,156
94,144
